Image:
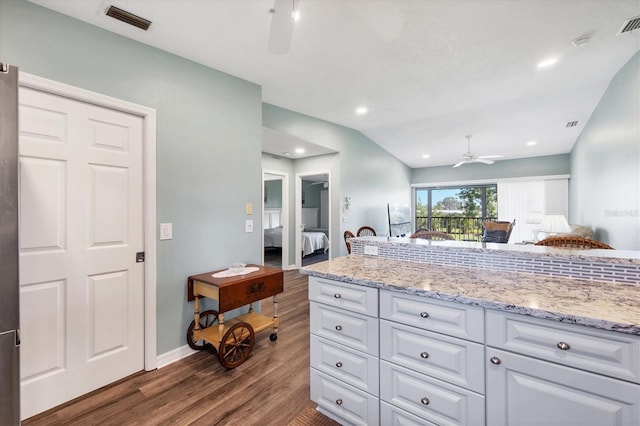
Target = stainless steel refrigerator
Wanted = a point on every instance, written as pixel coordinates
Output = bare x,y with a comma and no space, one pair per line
9,313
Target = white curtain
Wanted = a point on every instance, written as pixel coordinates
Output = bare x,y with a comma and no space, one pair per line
516,200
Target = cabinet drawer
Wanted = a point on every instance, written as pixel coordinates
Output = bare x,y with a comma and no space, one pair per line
429,398
453,360
522,390
449,318
347,328
605,352
390,415
353,367
346,403
355,298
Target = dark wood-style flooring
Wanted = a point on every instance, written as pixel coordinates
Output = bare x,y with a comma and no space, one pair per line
270,388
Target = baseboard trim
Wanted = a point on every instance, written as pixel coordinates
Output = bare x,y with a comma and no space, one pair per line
175,355
291,268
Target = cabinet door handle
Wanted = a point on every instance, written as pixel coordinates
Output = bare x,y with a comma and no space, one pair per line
495,360
564,346
425,401
424,314
424,355
339,364
337,295
339,327
339,401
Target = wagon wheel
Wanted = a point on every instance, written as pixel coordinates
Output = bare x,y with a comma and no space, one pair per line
207,319
236,345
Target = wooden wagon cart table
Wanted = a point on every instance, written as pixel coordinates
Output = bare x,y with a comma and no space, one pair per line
233,340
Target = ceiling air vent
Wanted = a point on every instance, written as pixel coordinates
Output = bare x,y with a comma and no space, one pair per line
572,124
128,18
629,25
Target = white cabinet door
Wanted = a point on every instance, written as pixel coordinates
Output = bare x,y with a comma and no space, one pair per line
81,224
357,331
523,391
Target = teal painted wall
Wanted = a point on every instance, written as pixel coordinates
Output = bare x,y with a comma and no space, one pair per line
205,120
273,194
533,166
362,170
605,164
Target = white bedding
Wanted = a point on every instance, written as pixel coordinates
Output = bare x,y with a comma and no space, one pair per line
310,241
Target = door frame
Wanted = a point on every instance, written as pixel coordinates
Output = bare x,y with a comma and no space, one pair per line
284,215
298,201
148,116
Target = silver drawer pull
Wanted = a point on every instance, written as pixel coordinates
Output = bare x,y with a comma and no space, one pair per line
339,327
425,401
424,314
495,360
339,364
339,401
424,355
564,346
337,295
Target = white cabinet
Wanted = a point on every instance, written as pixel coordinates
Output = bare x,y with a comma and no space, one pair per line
528,391
344,351
426,369
556,374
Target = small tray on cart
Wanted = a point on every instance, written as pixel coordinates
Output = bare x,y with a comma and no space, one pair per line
233,340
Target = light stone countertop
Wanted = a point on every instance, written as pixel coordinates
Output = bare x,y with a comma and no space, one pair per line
604,305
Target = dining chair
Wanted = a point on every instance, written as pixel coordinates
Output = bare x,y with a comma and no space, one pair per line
348,234
573,241
366,231
497,231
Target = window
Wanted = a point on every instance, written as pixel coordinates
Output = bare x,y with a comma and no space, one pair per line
458,211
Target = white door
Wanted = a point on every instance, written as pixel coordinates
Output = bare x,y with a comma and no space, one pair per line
81,224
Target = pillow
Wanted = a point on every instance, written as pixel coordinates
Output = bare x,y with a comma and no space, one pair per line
494,236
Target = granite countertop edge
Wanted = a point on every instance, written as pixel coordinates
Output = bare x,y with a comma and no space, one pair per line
627,328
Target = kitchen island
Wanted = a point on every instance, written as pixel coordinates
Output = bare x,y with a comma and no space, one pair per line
426,342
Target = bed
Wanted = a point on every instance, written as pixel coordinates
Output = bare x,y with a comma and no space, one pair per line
309,241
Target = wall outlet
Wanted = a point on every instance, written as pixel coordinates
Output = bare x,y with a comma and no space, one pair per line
248,225
166,231
371,250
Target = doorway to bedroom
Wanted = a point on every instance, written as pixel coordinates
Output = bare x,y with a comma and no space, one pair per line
313,217
275,227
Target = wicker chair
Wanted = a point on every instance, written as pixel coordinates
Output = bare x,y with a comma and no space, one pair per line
431,235
348,234
497,231
366,231
572,241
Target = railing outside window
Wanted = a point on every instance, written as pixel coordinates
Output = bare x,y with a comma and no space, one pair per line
461,228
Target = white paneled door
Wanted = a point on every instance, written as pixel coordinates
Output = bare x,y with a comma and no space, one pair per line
81,224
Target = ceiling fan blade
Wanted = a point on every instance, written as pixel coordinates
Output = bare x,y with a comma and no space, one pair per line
491,156
482,160
281,29
460,163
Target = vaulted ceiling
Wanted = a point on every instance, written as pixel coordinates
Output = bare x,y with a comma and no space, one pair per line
428,71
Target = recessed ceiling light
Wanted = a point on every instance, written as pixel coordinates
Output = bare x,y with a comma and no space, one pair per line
295,15
581,41
361,110
286,153
299,150
426,156
547,62
532,143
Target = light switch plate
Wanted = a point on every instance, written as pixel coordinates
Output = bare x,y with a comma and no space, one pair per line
248,225
249,208
166,231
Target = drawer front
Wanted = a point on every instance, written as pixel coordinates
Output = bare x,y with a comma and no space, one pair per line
449,318
353,367
347,328
453,360
390,415
354,298
428,398
599,351
253,290
523,390
348,404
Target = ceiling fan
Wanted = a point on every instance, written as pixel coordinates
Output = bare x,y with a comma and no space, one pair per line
283,16
468,157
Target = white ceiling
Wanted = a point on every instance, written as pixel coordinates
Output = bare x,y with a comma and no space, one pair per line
429,71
